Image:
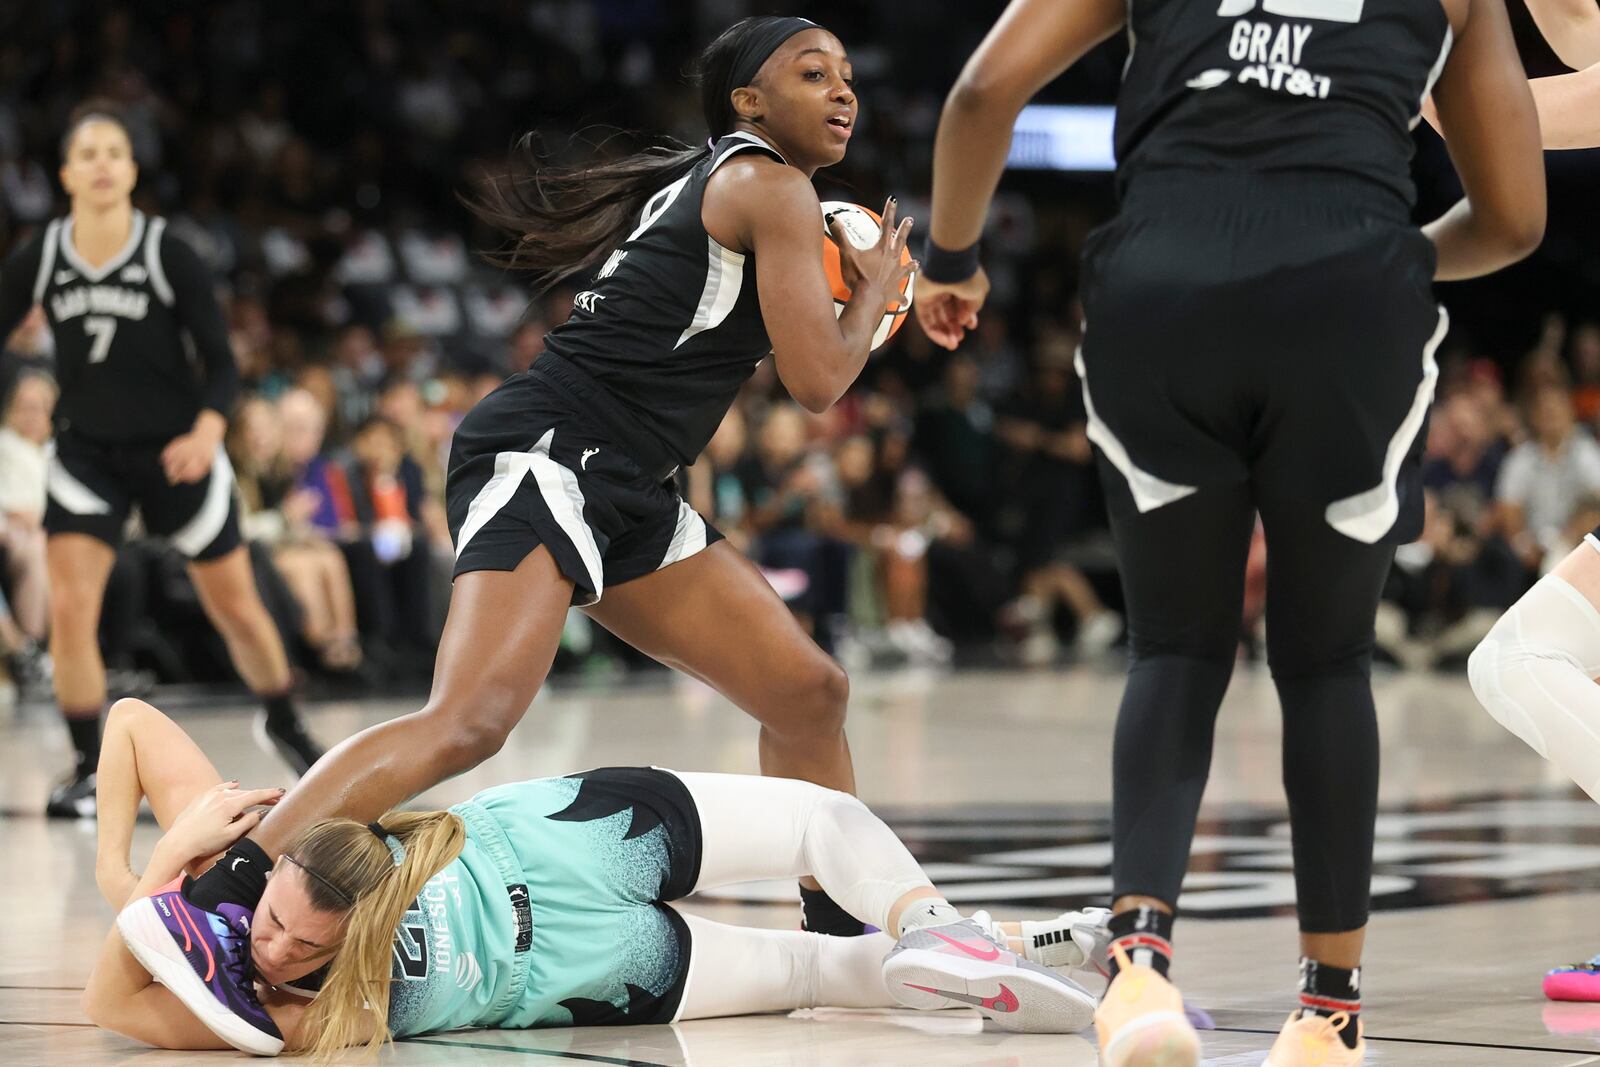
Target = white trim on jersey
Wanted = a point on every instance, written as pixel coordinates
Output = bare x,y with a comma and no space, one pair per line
1149,492
152,262
115,263
688,538
752,141
1368,515
724,279
1433,75
47,260
192,538
564,498
65,489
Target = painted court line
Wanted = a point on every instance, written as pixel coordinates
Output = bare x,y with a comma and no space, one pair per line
1428,1041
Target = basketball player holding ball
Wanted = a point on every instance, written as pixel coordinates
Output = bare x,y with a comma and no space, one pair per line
1259,337
698,262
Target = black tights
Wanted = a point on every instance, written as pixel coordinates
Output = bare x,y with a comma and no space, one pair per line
1183,569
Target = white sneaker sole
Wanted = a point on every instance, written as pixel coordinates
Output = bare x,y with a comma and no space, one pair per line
1046,1004
1160,1039
147,938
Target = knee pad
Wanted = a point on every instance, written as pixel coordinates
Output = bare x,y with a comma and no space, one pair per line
1534,671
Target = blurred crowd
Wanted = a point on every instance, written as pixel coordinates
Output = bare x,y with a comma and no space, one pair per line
949,505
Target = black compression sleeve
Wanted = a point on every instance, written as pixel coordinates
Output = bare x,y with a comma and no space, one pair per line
195,302
17,275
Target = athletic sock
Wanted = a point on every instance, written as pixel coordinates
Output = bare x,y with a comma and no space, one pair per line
84,726
929,911
822,915
280,708
239,877
1145,934
1326,991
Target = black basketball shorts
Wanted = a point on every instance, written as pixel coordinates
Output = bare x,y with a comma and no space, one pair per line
92,488
535,463
1278,330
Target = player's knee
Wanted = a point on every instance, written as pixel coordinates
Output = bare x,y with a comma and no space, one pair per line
74,609
1494,669
237,614
468,736
126,712
823,695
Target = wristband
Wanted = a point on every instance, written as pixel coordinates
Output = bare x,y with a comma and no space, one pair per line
947,265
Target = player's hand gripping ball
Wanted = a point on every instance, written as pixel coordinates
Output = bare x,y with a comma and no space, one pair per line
863,228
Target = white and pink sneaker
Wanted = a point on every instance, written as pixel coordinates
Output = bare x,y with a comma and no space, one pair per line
961,963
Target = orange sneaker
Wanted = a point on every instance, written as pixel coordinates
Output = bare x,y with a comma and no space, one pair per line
1314,1041
1141,1021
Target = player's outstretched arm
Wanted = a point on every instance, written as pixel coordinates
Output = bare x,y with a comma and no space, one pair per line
1034,41
1487,114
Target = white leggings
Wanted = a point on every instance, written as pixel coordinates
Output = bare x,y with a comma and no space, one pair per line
1535,673
759,828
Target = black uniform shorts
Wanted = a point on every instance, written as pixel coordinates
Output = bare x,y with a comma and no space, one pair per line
548,459
1272,329
93,486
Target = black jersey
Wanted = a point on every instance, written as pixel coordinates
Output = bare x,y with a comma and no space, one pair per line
671,324
140,343
1265,85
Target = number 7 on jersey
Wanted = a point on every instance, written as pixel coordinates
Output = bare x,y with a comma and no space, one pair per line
102,328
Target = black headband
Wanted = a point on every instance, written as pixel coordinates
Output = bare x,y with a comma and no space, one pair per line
756,50
349,902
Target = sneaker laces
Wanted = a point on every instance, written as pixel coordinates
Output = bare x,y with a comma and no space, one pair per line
236,961
991,927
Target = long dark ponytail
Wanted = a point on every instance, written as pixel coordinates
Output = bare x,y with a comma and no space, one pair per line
563,219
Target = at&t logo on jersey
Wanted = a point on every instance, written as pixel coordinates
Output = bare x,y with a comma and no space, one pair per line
1272,53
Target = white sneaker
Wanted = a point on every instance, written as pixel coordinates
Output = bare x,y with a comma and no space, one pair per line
1098,633
960,964
916,639
1074,941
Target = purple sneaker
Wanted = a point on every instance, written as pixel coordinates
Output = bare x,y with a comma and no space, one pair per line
203,958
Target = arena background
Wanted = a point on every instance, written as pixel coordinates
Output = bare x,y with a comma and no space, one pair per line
946,514
315,155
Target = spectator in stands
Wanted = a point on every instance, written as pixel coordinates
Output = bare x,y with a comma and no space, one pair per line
24,580
277,515
784,482
1543,478
955,443
1586,371
390,562
1052,491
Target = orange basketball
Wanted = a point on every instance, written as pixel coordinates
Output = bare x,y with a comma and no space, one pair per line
862,227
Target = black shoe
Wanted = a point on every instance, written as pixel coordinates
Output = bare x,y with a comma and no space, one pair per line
288,738
74,797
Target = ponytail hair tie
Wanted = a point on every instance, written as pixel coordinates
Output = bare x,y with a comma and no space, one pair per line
396,849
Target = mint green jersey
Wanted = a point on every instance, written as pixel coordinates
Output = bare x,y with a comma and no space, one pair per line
552,914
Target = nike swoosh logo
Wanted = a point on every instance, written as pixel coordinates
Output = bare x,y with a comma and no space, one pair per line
1005,1002
236,861
982,952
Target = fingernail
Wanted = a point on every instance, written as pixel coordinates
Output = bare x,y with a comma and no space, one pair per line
892,200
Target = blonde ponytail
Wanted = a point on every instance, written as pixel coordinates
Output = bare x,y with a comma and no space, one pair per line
350,868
